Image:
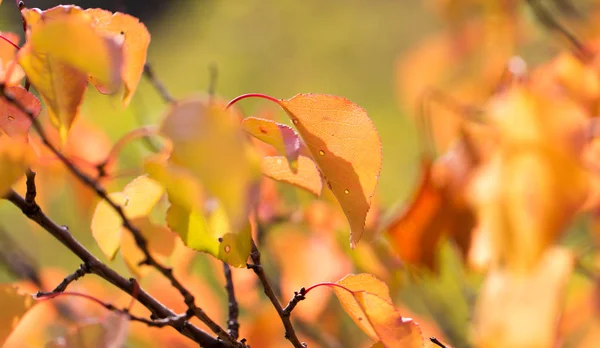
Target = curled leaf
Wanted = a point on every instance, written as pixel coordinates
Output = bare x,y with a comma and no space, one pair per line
283,138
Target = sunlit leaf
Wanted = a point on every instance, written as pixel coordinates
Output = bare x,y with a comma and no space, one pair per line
521,310
14,305
137,200
107,225
61,50
136,39
211,234
11,73
15,158
367,301
361,282
307,176
13,121
283,138
346,147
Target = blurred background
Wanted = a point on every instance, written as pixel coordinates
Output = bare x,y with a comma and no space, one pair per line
350,48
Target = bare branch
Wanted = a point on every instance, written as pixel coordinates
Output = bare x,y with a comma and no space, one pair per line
80,272
256,266
233,325
61,233
298,296
158,85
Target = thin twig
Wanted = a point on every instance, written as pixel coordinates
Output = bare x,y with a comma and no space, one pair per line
256,266
62,234
233,325
80,272
298,296
548,20
175,320
31,192
437,342
158,85
140,241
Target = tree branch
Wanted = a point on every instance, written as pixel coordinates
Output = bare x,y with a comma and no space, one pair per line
140,241
437,342
256,266
158,85
233,325
61,233
80,272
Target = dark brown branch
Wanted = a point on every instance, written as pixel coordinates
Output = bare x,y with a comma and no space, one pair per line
256,266
80,272
548,20
233,325
158,310
31,188
298,296
140,241
437,342
158,85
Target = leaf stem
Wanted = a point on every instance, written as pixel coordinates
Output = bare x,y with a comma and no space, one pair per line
10,42
330,285
252,95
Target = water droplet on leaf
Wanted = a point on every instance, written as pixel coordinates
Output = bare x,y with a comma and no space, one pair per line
346,191
321,152
11,118
227,248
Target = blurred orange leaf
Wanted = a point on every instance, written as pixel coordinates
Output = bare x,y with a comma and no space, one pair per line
15,158
108,333
14,305
521,310
346,147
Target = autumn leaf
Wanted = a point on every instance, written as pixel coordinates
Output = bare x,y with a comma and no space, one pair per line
367,301
307,175
15,158
346,147
521,310
62,48
13,121
14,305
11,73
283,138
137,200
201,130
136,39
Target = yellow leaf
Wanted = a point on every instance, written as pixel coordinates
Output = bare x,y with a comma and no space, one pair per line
521,310
209,142
15,158
183,189
346,147
61,50
307,176
136,40
142,195
107,225
14,305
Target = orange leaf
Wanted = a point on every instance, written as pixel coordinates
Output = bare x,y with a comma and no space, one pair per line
521,310
346,147
307,175
136,40
367,301
13,121
15,158
14,305
9,69
283,138
416,232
